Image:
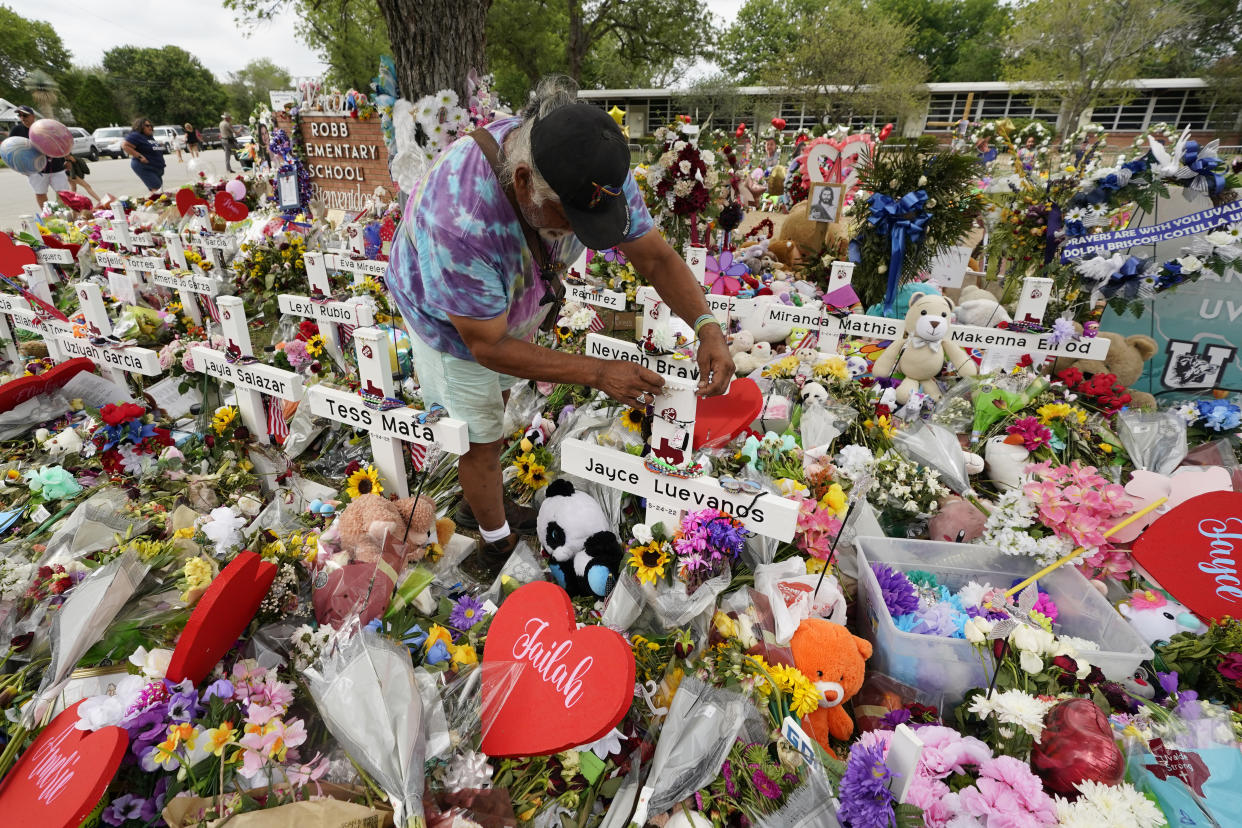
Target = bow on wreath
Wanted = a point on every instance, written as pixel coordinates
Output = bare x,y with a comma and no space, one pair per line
1206,179
904,221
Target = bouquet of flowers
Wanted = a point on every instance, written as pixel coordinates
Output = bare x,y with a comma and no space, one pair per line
572,325
682,180
127,443
267,267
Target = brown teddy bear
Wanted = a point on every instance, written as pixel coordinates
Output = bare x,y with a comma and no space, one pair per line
919,353
799,238
1125,358
372,533
834,660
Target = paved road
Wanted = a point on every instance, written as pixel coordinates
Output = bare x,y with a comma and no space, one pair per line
107,176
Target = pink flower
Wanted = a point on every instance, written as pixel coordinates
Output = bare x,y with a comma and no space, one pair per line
1033,433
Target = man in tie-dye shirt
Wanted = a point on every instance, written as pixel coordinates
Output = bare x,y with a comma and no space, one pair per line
463,276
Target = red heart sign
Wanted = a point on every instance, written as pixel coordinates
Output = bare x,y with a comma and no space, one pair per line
13,256
220,616
718,420
575,685
187,199
229,208
1193,552
62,775
18,391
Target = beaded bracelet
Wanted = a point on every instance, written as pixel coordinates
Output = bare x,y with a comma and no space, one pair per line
705,319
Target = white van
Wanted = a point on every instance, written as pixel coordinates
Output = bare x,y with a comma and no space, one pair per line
169,138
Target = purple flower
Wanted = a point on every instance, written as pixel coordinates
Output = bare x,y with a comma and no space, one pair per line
219,689
893,718
898,592
765,785
1046,607
1168,682
866,801
1062,331
184,706
727,771
124,808
467,612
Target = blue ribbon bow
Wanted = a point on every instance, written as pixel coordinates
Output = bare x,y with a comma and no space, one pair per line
905,222
1126,278
1203,166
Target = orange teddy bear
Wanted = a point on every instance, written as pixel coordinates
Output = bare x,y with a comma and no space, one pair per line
834,659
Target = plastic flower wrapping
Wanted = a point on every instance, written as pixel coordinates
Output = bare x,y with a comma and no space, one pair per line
1003,598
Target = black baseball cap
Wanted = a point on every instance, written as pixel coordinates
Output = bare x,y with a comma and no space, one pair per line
24,110
580,151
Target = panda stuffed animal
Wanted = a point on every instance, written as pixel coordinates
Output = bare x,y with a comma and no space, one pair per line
575,533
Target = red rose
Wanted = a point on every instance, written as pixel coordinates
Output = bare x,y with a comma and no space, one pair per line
1070,376
111,414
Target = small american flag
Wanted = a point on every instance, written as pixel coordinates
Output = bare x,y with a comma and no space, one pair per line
597,324
212,310
276,425
346,334
418,456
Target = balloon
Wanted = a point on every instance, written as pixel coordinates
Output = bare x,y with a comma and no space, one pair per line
201,166
236,189
399,351
741,129
1076,745
886,131
617,114
21,156
779,123
52,138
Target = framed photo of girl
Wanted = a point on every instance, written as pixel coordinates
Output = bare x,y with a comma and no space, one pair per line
825,202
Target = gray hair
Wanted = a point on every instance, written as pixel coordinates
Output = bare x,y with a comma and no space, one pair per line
553,92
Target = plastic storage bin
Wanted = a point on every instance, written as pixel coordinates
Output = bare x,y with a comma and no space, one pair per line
944,669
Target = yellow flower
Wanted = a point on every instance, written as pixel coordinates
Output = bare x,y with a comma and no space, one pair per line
186,532
314,345
536,477
833,366
523,463
724,624
438,633
223,418
218,738
632,419
814,566
363,481
803,696
791,488
244,464
648,561
1106,448
884,423
834,500
1058,411
464,655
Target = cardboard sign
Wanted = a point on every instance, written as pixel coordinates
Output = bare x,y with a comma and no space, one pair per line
220,617
1193,552
575,684
61,777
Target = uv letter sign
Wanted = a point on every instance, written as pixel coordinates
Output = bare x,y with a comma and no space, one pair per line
547,685
1195,552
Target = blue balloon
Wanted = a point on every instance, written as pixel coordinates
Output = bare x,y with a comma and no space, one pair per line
21,156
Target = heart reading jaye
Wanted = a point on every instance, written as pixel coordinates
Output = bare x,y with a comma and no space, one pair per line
1193,551
572,686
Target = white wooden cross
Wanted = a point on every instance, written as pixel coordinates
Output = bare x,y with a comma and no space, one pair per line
319,306
115,361
388,426
769,515
256,386
8,302
49,256
358,266
189,286
212,244
27,319
37,281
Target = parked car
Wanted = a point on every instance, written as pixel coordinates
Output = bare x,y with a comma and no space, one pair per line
210,136
170,138
108,140
84,144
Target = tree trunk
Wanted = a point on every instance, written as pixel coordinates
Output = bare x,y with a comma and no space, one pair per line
575,47
435,43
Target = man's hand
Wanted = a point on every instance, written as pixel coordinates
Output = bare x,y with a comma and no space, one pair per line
626,382
715,362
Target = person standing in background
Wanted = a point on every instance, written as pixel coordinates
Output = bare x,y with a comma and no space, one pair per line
191,140
146,158
52,175
228,140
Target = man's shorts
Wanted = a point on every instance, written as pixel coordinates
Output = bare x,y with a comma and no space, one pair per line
39,181
466,389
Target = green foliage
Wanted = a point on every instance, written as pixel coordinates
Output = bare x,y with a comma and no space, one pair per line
948,178
1213,36
856,60
525,41
1086,48
248,87
167,85
27,45
1196,659
86,93
762,33
959,40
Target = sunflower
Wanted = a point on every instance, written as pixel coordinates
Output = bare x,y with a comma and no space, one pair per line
314,345
523,462
632,419
223,418
363,481
536,476
648,561
804,697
